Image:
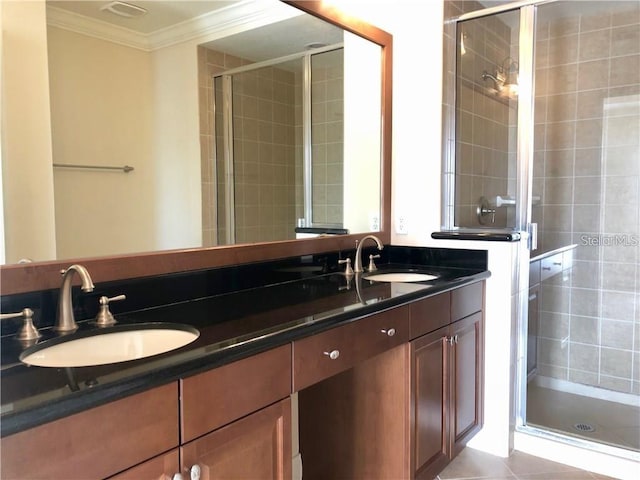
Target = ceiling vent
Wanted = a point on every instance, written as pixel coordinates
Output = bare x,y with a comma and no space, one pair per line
124,9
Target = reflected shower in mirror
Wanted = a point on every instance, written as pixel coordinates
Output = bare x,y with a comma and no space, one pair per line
139,92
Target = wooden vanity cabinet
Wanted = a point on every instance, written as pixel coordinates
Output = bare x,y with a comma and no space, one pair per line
446,379
162,467
328,353
98,442
256,446
236,419
353,424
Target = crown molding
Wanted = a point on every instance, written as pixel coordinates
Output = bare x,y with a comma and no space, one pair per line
219,23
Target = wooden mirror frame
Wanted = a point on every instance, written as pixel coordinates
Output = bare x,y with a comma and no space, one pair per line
22,278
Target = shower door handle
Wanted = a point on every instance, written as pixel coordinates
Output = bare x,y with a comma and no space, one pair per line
533,236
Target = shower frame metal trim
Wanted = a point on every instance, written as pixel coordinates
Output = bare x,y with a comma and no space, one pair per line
227,122
523,210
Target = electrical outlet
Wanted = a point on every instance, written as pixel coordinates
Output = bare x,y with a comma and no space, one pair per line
401,225
374,222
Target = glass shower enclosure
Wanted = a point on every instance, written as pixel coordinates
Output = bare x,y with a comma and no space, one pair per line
544,137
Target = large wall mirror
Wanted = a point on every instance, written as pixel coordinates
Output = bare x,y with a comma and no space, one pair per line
192,134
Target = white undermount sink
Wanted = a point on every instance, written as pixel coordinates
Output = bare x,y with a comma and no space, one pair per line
110,345
400,277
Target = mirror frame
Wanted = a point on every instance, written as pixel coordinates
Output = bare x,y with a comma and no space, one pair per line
22,278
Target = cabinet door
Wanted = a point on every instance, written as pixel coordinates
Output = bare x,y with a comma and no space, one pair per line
257,446
466,353
429,397
162,467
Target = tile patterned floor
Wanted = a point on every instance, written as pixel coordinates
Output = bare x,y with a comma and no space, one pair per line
475,465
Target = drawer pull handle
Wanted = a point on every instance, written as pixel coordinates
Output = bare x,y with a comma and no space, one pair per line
557,263
333,354
546,268
389,332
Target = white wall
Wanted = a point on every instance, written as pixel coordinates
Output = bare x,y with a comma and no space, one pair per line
416,27
26,134
101,113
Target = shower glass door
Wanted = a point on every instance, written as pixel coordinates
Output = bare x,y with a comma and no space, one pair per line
584,316
486,116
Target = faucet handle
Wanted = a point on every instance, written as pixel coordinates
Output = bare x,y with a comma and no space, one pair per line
105,317
348,270
372,266
28,332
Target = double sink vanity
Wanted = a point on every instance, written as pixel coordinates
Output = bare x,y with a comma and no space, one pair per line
360,378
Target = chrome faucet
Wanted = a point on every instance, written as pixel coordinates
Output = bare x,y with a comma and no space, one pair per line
66,321
357,266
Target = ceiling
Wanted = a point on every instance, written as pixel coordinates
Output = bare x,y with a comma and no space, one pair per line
160,14
287,32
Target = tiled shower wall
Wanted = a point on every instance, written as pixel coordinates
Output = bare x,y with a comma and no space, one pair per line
485,133
587,174
264,159
327,134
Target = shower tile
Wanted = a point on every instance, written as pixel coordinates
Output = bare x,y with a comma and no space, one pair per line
594,74
623,160
551,352
624,70
558,191
595,22
585,250
563,50
560,136
553,325
561,107
585,302
623,130
586,218
621,219
585,330
563,78
625,40
585,274
615,363
619,306
552,371
583,357
616,334
595,45
591,103
559,162
622,190
588,162
627,16
619,276
588,133
585,378
560,26
587,189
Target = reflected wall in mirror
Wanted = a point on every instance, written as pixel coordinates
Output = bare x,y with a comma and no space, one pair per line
140,92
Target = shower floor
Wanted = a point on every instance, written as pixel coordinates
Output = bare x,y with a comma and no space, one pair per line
612,423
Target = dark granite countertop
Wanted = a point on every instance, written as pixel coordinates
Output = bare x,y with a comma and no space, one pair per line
232,326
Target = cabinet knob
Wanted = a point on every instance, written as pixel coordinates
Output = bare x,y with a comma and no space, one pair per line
333,354
194,472
390,332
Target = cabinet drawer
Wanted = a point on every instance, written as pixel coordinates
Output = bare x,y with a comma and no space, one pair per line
429,314
162,467
550,266
326,354
96,443
218,397
466,300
